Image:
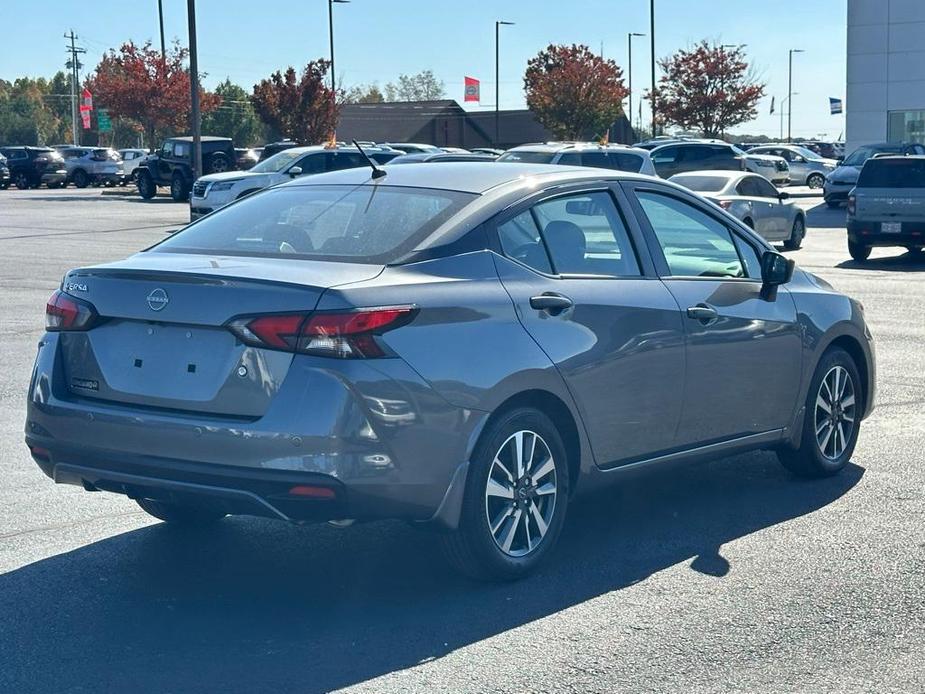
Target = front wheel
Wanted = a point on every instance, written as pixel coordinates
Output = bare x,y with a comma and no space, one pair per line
815,180
22,181
80,178
515,501
832,419
797,232
858,251
146,187
178,513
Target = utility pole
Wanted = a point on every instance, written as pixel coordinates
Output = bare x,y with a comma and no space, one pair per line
160,15
194,89
497,76
331,38
790,86
652,60
629,70
74,65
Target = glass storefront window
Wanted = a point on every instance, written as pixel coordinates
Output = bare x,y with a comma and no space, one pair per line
906,126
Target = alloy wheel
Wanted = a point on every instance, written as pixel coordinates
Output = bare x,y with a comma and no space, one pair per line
835,413
520,493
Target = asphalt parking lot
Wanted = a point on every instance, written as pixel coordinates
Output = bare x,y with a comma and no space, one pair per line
726,576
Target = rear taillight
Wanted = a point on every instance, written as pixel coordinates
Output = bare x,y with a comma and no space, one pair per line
852,204
64,312
345,335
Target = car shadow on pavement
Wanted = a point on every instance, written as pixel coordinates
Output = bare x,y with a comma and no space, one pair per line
824,217
253,605
904,262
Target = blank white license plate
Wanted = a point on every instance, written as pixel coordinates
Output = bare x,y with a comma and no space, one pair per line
891,228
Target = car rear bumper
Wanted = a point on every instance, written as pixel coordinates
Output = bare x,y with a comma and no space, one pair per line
378,435
872,234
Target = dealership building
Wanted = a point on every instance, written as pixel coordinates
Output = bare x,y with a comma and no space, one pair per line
885,99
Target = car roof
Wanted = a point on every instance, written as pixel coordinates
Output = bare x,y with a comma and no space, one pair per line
577,146
204,138
467,176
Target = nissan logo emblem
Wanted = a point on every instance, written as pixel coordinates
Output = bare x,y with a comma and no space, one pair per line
157,299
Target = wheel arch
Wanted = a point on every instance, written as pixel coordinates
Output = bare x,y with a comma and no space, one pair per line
853,347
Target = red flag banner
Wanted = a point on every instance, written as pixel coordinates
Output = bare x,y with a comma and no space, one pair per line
86,103
472,89
85,117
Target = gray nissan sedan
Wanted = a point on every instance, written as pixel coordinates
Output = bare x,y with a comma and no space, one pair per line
467,346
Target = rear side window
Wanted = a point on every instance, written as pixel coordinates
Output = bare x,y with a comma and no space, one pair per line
361,224
520,239
625,162
667,155
702,184
527,157
893,173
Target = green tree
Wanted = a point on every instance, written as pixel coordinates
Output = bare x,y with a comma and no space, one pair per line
235,118
423,86
363,94
25,117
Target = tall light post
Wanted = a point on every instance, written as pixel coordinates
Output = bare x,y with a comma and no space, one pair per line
629,70
498,25
790,86
194,88
331,38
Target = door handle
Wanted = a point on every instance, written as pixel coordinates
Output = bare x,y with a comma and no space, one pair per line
705,314
553,303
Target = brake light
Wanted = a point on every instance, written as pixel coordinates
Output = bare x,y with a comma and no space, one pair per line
64,312
852,204
345,335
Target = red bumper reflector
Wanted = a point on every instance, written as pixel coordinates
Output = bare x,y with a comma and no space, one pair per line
38,452
312,492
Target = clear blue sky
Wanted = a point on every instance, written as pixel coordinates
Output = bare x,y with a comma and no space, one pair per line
378,39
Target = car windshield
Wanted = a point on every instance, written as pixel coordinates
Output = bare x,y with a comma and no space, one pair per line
701,184
527,157
862,154
278,162
893,173
363,224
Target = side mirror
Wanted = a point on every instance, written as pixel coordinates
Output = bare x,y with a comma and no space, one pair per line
775,269
783,195
295,171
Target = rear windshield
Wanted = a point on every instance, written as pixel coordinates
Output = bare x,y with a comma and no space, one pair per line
527,157
702,184
893,173
360,224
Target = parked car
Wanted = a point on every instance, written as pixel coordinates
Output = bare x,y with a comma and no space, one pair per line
470,347
660,140
454,150
826,150
611,156
487,150
93,166
887,206
172,165
841,181
217,190
4,173
753,200
773,168
422,157
699,155
806,167
410,147
30,167
272,148
245,158
131,158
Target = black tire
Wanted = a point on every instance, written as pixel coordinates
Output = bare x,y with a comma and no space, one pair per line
833,204
797,233
21,179
809,460
146,187
815,180
80,178
219,164
473,549
179,514
179,190
858,251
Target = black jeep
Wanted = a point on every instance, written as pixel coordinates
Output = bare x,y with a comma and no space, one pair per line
172,166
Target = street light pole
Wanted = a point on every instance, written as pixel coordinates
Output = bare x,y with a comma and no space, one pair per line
790,86
498,74
160,16
331,38
629,69
194,88
652,60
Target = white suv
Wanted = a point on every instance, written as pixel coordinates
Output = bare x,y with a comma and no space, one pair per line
609,156
217,190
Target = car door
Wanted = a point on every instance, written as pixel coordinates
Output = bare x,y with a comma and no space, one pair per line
570,264
778,211
665,159
744,344
761,214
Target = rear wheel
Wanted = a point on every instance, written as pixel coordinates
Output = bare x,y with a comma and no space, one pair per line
219,164
815,180
859,251
22,181
146,187
797,232
179,191
179,513
516,499
832,420
80,178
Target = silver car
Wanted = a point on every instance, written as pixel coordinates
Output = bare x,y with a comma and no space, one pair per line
466,346
93,165
131,158
610,156
806,167
753,200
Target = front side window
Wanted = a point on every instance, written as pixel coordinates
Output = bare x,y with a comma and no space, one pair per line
694,244
765,188
362,224
585,235
310,164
